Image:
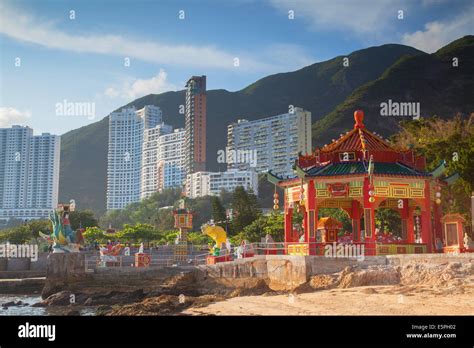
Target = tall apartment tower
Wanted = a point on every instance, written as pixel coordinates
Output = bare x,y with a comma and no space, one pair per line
270,143
195,125
170,171
126,133
151,158
29,173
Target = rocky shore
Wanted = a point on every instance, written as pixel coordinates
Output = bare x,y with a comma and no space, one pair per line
194,293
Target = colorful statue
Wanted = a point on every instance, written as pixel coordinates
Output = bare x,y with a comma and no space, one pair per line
217,234
63,238
110,254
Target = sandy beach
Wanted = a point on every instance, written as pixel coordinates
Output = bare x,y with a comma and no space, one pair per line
365,300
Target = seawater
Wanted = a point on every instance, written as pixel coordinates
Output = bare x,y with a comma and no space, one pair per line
35,311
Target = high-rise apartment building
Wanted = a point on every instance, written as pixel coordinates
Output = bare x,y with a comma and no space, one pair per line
29,173
150,159
195,125
202,184
171,171
269,143
126,134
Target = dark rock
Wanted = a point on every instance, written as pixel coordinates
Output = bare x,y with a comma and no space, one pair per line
73,312
39,304
104,308
13,303
61,298
117,297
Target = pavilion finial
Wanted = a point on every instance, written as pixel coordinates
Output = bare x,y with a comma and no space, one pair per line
359,118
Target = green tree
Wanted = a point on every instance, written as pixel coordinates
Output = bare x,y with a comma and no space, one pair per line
94,234
149,210
198,238
388,220
245,207
451,140
82,218
263,225
218,211
202,209
16,235
138,233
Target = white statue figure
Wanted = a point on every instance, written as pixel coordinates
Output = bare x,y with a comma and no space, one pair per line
140,250
468,244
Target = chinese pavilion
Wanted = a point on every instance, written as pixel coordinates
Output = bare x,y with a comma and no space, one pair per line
361,172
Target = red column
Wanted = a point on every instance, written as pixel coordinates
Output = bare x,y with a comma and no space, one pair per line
438,225
305,224
310,205
426,230
410,226
288,224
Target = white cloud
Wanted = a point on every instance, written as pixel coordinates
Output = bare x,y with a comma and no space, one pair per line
10,116
28,29
362,17
439,33
141,87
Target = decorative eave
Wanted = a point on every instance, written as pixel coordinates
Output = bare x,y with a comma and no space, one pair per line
452,179
274,179
439,170
300,172
280,181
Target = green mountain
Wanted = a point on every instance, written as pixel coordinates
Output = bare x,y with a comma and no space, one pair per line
432,80
319,88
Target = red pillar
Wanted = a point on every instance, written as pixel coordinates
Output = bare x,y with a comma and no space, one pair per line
438,225
305,224
426,229
312,213
288,224
410,226
355,216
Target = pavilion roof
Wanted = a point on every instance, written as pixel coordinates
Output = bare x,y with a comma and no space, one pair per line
358,139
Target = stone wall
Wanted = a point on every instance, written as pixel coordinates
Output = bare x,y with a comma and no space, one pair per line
67,272
284,272
24,264
21,285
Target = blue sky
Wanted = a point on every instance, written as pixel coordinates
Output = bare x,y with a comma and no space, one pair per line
82,59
